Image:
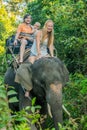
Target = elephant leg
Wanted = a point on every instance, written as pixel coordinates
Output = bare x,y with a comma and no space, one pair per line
54,98
44,115
11,85
23,103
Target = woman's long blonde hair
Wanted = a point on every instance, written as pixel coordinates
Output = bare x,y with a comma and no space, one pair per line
50,34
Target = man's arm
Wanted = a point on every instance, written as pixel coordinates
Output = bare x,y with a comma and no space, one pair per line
17,34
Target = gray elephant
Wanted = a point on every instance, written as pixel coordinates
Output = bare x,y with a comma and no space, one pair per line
46,76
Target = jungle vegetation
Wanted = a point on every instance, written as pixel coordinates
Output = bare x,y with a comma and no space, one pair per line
70,29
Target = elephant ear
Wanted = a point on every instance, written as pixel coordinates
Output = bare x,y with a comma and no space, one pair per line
25,66
29,67
24,75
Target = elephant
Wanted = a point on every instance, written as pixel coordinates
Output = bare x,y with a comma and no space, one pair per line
47,76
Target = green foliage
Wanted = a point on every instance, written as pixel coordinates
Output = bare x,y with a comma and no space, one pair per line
4,110
71,35
6,28
3,63
28,115
84,122
6,22
2,30
70,125
22,126
41,10
70,24
22,116
13,99
75,99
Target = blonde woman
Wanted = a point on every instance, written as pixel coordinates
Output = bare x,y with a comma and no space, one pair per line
44,39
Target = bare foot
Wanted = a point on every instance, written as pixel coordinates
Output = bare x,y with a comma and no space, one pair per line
27,94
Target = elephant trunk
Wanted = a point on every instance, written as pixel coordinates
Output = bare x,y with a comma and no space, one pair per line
54,98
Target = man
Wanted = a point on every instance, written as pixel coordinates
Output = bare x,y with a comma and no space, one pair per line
24,35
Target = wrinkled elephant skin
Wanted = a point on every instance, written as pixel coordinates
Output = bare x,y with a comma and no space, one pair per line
49,75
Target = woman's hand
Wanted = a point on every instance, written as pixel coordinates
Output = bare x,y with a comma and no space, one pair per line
39,56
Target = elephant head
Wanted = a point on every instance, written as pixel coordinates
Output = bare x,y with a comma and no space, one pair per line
49,76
